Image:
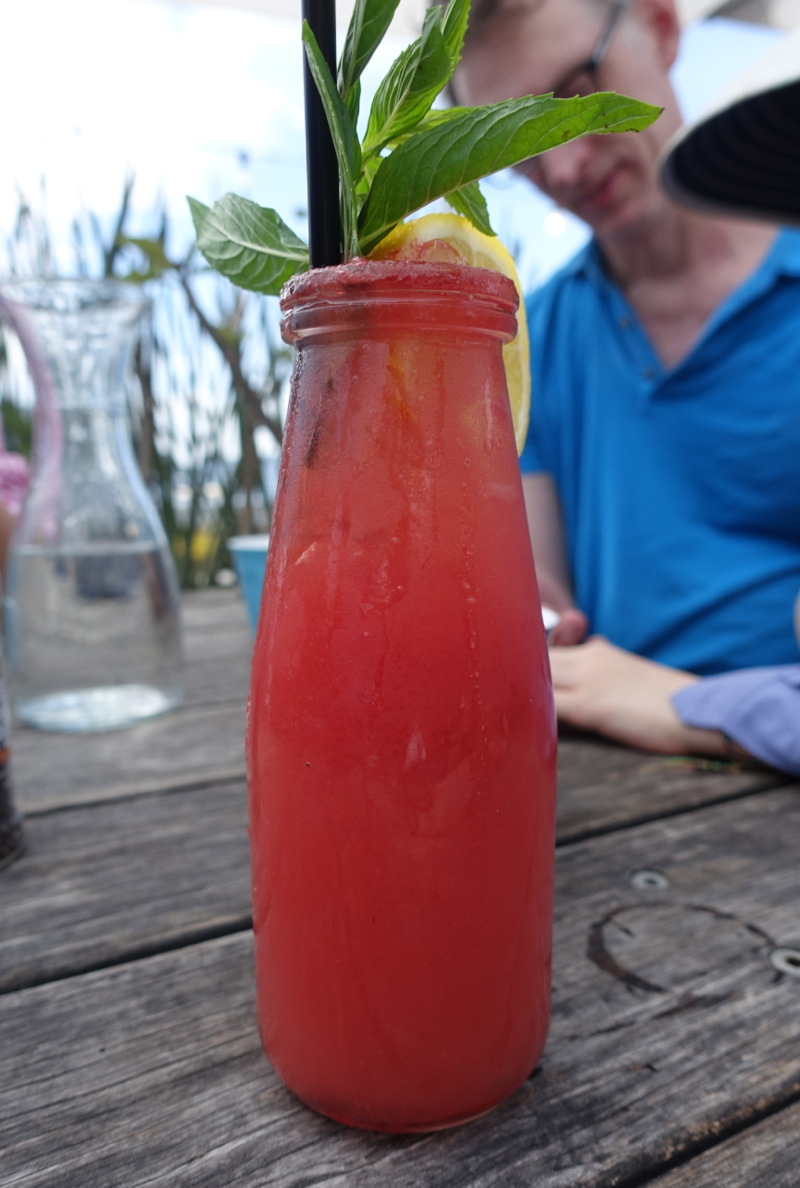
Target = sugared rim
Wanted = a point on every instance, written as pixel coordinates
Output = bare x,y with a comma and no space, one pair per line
368,277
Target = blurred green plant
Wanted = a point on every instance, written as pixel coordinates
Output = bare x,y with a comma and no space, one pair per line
17,428
199,455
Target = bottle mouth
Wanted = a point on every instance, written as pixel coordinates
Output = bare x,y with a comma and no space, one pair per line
368,296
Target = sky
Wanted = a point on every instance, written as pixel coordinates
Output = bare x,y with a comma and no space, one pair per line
202,100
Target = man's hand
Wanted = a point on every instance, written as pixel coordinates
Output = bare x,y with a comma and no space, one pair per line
601,687
570,629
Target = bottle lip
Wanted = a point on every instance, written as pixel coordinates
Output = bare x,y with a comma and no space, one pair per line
369,280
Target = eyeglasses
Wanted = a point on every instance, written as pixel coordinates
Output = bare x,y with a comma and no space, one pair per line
582,80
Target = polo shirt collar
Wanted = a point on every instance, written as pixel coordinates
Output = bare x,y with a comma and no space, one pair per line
783,259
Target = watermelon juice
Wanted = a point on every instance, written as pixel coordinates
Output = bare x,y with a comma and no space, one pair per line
401,735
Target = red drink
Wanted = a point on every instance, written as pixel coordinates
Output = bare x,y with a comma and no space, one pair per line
401,736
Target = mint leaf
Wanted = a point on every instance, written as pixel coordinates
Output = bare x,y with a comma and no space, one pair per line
368,25
440,115
353,101
454,27
345,141
368,171
407,92
470,202
252,246
199,212
435,117
433,163
340,122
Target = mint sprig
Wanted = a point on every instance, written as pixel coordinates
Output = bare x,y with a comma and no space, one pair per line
407,93
411,154
443,159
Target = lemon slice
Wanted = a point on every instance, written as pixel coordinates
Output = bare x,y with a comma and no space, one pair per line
450,239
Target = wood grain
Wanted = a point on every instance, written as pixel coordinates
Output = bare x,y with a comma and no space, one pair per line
670,1030
218,644
201,742
603,786
103,882
139,873
763,1156
198,745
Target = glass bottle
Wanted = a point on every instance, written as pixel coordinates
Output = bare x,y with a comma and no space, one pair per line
401,734
93,610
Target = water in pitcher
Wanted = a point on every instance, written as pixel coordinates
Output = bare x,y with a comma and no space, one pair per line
96,640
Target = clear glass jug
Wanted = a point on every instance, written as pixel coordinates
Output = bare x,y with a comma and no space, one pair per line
401,733
92,611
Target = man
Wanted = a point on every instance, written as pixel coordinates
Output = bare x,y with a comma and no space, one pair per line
660,473
730,161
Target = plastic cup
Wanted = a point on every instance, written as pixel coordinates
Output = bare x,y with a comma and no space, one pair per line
249,555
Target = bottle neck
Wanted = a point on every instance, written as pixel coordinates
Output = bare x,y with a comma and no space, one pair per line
381,301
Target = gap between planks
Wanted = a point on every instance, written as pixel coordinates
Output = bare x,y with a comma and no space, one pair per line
764,1154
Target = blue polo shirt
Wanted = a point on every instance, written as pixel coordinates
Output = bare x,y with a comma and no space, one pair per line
680,488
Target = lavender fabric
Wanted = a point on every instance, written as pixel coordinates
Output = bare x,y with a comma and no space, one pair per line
759,708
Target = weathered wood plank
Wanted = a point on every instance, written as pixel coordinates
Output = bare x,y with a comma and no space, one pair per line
674,1029
103,882
603,786
182,749
763,1156
218,644
202,741
211,609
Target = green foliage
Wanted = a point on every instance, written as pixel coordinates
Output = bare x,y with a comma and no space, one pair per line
253,247
454,28
17,427
407,93
479,141
154,254
470,202
178,433
411,154
345,141
368,26
195,393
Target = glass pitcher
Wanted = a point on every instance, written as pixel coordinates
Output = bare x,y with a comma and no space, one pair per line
401,733
92,611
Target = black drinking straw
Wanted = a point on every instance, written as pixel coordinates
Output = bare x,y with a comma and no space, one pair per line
324,227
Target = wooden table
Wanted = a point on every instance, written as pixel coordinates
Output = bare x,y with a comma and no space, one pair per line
128,1048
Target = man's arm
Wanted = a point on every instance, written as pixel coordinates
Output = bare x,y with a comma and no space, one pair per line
550,557
628,698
